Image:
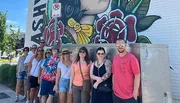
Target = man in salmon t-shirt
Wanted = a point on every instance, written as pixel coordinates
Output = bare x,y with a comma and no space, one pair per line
126,75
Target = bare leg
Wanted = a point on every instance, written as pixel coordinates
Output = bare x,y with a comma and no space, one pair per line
25,88
62,97
18,87
50,99
69,98
32,94
43,99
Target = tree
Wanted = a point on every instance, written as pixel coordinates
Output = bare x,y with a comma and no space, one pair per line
12,39
2,28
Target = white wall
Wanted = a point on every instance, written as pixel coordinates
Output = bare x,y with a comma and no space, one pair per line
167,31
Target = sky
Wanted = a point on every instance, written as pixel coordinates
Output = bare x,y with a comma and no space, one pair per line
17,12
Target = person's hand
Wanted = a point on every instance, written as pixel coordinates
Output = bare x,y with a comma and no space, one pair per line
99,80
135,95
55,88
70,91
39,80
96,85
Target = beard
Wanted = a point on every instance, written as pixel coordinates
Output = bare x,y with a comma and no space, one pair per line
121,51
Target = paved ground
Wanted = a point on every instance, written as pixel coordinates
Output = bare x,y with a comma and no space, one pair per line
10,93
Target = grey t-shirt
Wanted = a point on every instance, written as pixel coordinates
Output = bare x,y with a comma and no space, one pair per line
20,65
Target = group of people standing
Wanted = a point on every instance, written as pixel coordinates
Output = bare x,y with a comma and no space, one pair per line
79,80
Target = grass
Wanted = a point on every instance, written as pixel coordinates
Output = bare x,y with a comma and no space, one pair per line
7,61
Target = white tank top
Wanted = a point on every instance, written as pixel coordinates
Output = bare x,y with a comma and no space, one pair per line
36,65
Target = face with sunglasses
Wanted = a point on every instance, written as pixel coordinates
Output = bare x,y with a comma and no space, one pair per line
100,54
42,43
40,51
121,46
82,53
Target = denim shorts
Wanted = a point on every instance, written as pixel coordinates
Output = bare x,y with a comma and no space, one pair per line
64,85
22,76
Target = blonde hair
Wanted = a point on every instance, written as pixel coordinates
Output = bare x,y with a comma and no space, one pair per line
62,56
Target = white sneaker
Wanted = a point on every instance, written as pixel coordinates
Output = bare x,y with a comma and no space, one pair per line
27,101
17,99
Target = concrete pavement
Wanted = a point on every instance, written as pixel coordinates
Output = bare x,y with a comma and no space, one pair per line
10,93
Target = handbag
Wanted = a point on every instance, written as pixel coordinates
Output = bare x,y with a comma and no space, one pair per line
86,83
105,86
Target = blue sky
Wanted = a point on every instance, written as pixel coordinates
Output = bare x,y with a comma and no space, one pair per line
17,12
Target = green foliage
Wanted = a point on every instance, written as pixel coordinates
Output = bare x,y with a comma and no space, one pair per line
2,29
8,75
143,39
2,25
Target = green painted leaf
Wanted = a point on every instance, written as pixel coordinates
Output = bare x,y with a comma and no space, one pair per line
143,39
123,4
49,8
142,8
114,4
120,4
131,5
146,22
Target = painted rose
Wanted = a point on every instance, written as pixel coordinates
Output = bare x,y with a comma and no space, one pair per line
115,26
49,34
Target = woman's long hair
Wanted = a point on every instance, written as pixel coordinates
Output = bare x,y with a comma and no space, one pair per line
86,58
37,52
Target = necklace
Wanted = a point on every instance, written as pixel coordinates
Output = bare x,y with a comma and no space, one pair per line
99,63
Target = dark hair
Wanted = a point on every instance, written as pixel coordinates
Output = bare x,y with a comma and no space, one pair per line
100,48
48,50
86,57
71,9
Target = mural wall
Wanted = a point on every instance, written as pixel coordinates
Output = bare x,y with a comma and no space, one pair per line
104,21
80,24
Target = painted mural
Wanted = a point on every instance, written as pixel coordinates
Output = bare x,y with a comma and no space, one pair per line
80,22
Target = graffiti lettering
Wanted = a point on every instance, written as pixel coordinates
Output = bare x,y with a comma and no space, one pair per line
39,10
36,1
36,38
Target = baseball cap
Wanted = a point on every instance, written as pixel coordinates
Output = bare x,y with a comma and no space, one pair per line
34,46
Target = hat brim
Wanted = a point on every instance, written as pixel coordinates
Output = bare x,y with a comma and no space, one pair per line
62,53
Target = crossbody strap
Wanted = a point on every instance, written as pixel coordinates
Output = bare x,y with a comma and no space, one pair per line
81,71
36,65
65,72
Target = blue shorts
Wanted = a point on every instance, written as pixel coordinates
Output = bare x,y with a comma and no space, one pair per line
22,76
47,88
64,85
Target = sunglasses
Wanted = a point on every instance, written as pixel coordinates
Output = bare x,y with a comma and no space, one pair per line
82,52
65,53
40,50
48,52
42,42
100,53
120,45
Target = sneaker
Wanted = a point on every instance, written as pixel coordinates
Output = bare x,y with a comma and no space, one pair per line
24,99
17,99
27,101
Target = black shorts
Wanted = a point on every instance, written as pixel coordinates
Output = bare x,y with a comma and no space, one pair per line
119,100
33,82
